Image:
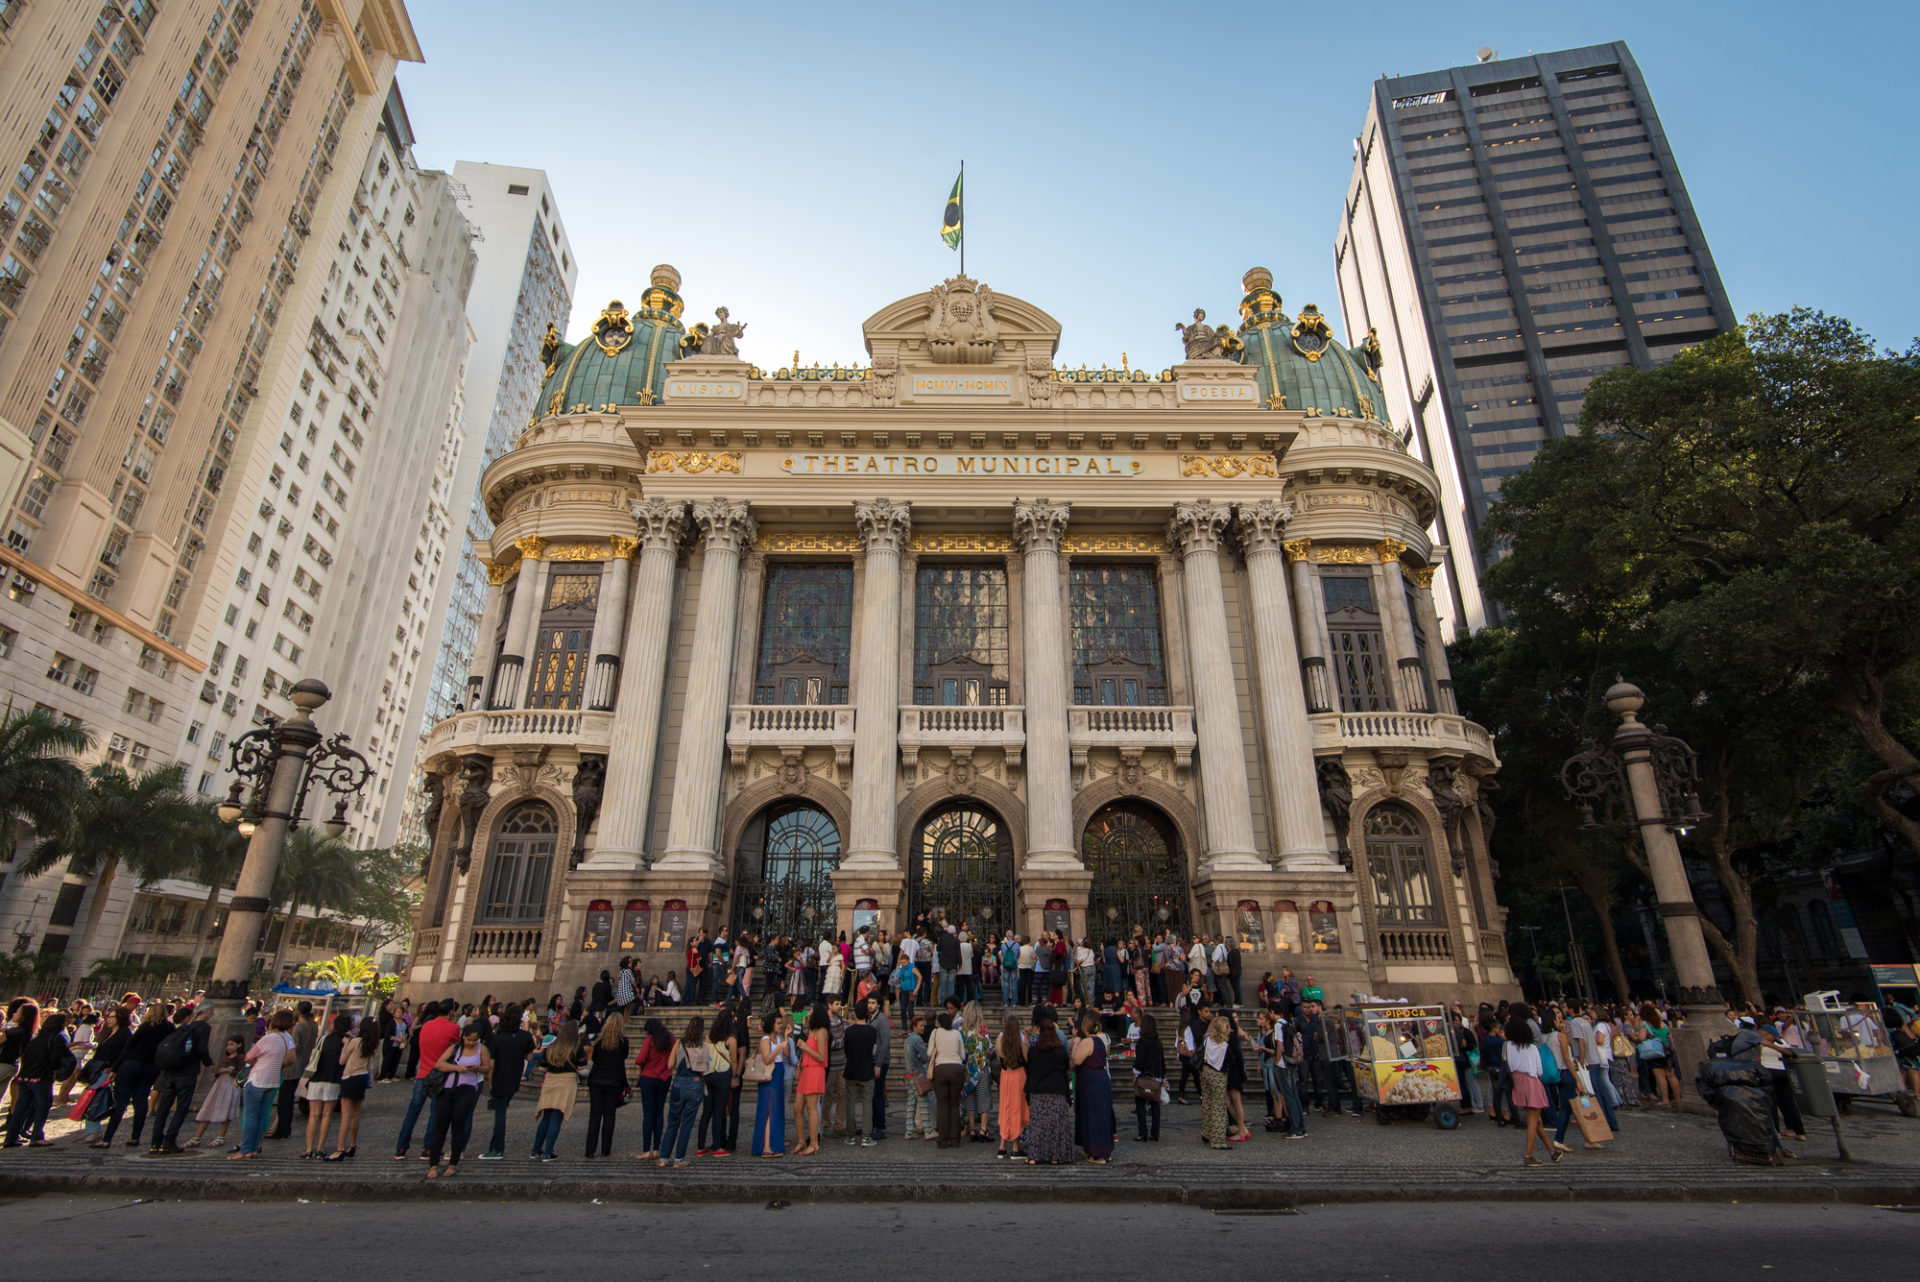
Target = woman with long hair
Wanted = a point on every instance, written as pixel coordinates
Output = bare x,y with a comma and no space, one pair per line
1212,1058
1049,1118
716,1084
466,1064
770,1103
655,1063
1149,1077
606,1082
323,1088
947,1062
360,1060
563,1061
977,1098
1523,1068
1666,1083
1011,1051
813,1080
1563,1091
1092,1092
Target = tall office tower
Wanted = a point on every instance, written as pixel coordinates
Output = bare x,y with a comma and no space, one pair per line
524,283
1511,230
352,472
174,158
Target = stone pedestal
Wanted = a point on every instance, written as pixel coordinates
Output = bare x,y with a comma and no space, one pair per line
885,886
1038,885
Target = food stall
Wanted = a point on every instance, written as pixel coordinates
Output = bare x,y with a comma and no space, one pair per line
1852,1042
1402,1059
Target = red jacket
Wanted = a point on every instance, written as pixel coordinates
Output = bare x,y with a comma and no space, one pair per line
653,1062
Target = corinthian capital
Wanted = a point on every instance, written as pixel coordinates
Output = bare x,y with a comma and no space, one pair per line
1198,526
531,546
883,524
725,525
1039,524
662,523
1262,524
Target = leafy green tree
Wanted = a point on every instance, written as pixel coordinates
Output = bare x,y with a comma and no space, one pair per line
388,895
143,822
315,871
39,783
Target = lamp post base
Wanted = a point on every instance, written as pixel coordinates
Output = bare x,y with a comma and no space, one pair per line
1703,1022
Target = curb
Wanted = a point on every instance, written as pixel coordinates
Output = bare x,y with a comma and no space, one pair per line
465,1189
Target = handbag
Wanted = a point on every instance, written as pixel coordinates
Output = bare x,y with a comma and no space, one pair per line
1651,1049
757,1071
922,1083
1622,1048
79,1110
434,1083
1549,1066
1148,1088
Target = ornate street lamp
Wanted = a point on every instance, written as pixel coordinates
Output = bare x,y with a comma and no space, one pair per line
1655,777
281,761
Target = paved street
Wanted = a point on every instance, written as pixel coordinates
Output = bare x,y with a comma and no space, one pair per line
1658,1155
98,1237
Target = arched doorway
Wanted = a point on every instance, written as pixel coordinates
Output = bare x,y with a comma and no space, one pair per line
520,866
782,882
1139,872
962,868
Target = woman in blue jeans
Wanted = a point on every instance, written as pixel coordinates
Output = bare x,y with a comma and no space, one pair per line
265,1058
692,1058
564,1060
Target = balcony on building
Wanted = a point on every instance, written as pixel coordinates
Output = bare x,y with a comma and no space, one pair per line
485,729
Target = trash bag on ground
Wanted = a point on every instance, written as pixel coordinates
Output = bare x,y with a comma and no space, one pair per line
1736,1090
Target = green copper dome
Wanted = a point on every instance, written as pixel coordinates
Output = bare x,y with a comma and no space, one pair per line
1301,365
623,359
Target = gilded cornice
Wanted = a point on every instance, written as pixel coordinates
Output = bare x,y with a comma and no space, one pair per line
1083,544
1389,550
579,552
1228,465
997,544
838,542
1296,549
693,462
531,546
1344,554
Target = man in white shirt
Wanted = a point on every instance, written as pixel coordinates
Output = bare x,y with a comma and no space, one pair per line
862,956
965,986
1593,1051
1026,971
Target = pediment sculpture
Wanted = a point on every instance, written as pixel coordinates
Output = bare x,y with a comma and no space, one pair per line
961,329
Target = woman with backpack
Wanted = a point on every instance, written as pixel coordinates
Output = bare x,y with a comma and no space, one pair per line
1524,1065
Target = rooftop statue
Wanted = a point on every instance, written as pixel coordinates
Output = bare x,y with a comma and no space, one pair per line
1202,340
961,329
722,335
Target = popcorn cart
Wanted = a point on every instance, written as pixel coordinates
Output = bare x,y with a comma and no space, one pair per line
1852,1042
1402,1058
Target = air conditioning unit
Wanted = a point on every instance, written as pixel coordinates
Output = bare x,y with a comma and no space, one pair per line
118,743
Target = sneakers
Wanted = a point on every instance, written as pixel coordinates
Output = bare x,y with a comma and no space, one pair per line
722,1152
493,1157
852,1140
703,1152
868,1142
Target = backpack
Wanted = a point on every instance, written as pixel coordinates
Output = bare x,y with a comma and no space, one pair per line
173,1050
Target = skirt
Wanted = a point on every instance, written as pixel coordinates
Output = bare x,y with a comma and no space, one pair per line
354,1089
797,983
322,1092
222,1104
1013,1103
770,1114
1213,1106
1528,1091
813,1077
1049,1129
1626,1082
980,1098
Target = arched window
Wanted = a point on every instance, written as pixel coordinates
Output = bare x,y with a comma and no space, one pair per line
963,867
520,864
783,883
1139,875
1401,868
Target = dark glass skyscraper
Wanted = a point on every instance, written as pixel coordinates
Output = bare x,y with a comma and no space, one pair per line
1511,230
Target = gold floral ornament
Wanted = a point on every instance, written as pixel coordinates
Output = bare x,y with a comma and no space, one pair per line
1228,465
614,329
1311,333
694,461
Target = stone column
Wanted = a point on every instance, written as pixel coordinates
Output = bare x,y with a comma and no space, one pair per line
1411,689
482,665
510,669
1429,620
1039,527
884,526
1195,532
1310,628
1292,789
610,624
726,532
634,744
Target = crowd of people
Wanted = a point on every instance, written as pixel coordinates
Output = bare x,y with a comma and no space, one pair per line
811,1063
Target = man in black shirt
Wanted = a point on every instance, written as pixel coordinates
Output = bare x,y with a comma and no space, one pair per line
510,1047
862,1041
179,1058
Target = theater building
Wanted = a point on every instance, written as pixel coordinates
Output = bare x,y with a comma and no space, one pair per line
961,632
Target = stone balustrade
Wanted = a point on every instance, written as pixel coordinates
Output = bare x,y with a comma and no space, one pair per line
1415,947
1431,731
505,943
790,726
517,727
1130,729
984,726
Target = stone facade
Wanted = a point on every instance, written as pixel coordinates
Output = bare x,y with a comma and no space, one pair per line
1038,648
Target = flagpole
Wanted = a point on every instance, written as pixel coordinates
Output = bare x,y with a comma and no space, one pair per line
963,217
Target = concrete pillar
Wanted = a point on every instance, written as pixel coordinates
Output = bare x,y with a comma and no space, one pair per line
1292,789
1039,527
1194,533
482,665
510,669
726,532
610,625
884,527
632,748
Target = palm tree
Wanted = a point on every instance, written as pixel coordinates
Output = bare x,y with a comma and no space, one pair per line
39,783
143,821
319,871
216,864
347,968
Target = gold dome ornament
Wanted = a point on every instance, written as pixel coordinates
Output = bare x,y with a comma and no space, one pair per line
614,329
1311,334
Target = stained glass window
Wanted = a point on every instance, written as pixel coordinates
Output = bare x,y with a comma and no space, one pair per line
961,868
1402,874
520,865
806,630
960,625
1114,611
1139,877
565,635
784,884
1357,650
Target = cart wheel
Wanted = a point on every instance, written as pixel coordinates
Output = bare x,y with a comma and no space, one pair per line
1908,1103
1381,1115
1446,1116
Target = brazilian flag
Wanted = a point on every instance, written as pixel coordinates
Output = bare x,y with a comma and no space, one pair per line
950,221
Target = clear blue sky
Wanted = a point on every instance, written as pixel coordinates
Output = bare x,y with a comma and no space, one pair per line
1125,162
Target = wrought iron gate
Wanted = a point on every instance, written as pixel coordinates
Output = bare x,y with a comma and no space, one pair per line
1139,873
782,881
962,869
